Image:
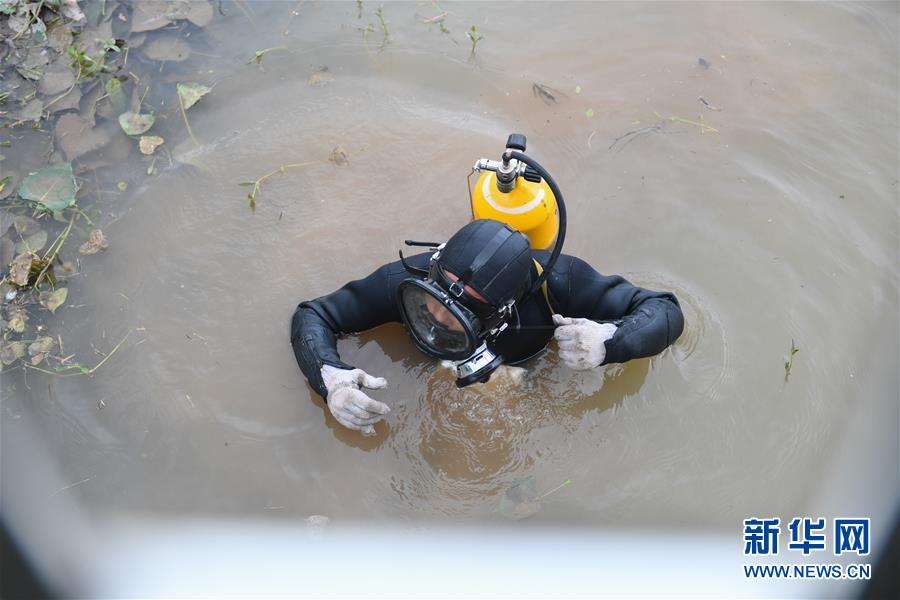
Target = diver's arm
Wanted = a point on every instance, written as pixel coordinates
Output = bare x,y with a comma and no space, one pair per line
316,325
647,322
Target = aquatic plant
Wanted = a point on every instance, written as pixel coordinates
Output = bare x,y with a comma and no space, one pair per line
789,360
473,36
386,39
258,182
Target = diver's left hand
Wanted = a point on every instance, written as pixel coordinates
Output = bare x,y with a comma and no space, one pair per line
582,342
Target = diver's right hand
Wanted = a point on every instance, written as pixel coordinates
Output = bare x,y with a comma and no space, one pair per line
350,406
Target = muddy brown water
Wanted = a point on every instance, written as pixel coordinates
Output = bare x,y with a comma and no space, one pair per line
781,225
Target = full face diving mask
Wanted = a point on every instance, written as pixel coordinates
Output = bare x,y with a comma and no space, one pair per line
445,319
489,257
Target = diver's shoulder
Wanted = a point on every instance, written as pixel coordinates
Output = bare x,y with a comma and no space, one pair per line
563,264
419,261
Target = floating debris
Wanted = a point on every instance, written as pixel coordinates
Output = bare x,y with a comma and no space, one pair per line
707,104
704,128
190,93
703,62
258,55
95,243
339,156
521,500
545,93
20,269
320,78
281,169
630,136
789,360
149,143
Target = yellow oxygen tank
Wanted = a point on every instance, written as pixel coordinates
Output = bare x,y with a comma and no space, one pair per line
529,206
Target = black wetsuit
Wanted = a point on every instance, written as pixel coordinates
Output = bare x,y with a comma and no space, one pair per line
647,321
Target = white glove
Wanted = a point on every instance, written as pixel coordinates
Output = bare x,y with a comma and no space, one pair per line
351,407
582,342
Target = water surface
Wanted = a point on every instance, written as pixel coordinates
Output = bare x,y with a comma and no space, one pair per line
781,224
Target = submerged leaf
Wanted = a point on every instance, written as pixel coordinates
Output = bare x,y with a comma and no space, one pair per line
33,243
59,36
320,78
166,47
520,500
42,345
57,78
135,123
32,73
70,9
517,501
76,136
150,15
190,93
17,323
53,300
18,316
149,143
200,13
11,352
31,111
25,225
53,187
115,94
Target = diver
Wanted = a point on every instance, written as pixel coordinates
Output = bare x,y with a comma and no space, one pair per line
490,296
469,302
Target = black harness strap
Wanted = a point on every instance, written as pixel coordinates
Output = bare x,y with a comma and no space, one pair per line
485,255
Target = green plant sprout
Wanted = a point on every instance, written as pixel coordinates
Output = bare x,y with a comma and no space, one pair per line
384,28
281,169
66,370
87,66
704,128
473,36
789,360
108,44
257,56
365,33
